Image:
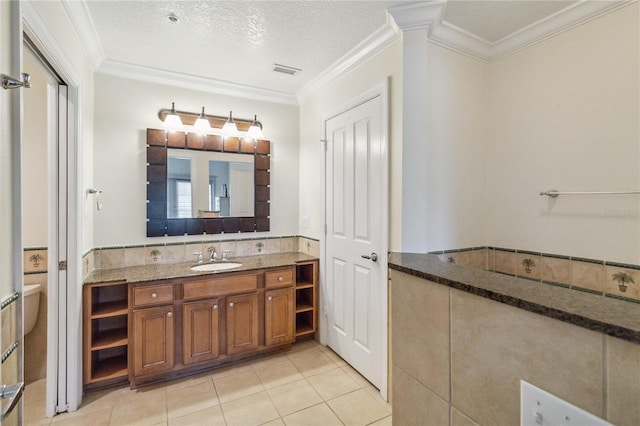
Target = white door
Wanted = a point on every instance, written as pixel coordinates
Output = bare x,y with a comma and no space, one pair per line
10,210
241,187
355,272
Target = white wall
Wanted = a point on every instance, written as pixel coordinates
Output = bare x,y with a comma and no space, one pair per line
125,108
456,151
387,63
564,114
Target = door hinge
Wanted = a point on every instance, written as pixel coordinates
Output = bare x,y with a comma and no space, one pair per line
325,229
62,265
324,142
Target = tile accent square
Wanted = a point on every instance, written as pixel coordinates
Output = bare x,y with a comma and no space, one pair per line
505,261
556,269
623,282
587,275
35,260
528,265
112,258
274,245
134,256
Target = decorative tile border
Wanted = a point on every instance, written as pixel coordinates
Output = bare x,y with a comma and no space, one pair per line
607,278
167,253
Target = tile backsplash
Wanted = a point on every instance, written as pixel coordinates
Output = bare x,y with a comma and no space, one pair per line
611,279
118,257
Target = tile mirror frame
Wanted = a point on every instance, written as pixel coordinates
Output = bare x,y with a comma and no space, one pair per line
159,225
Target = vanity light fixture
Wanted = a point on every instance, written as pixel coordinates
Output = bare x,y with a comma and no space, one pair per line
202,122
172,119
230,127
255,129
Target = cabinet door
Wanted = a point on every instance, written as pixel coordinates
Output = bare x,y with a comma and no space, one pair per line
153,345
242,323
279,316
200,331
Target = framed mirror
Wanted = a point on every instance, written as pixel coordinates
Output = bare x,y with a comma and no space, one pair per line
206,184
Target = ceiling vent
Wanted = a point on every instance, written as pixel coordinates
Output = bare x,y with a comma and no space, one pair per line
284,69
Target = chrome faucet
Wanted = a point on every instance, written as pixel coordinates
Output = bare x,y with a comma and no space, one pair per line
213,256
225,255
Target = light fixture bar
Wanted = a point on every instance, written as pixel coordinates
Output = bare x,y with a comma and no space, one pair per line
216,121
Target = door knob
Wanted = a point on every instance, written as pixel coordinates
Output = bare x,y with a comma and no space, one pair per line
373,257
169,314
231,305
154,295
269,298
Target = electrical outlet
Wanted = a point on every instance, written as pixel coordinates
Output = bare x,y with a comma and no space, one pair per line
540,408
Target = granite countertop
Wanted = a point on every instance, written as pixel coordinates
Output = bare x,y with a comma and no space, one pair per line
133,274
611,316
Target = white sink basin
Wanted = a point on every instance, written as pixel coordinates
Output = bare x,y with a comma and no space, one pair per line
214,267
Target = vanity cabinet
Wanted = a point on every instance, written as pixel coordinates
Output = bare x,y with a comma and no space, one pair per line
153,340
200,331
187,325
242,323
279,323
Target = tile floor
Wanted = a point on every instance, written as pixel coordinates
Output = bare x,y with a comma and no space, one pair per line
309,385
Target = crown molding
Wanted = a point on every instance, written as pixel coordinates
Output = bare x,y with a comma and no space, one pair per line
78,13
366,49
186,81
429,15
417,16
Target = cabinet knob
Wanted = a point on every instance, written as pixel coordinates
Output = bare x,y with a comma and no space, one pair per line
169,314
269,298
231,304
280,279
215,306
154,295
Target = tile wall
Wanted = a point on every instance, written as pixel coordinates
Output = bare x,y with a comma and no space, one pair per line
611,279
118,257
458,359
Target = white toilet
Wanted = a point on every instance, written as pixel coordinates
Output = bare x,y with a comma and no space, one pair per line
31,294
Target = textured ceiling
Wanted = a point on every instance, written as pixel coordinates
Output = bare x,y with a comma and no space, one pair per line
237,41
495,20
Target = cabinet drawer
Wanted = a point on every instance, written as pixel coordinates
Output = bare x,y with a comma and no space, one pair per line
152,295
220,286
281,278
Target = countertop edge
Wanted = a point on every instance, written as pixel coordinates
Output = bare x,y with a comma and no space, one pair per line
608,328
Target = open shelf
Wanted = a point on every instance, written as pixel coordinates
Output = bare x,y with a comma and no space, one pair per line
109,309
110,368
110,339
105,335
306,298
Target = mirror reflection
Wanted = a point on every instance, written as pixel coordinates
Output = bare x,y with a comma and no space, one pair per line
209,184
